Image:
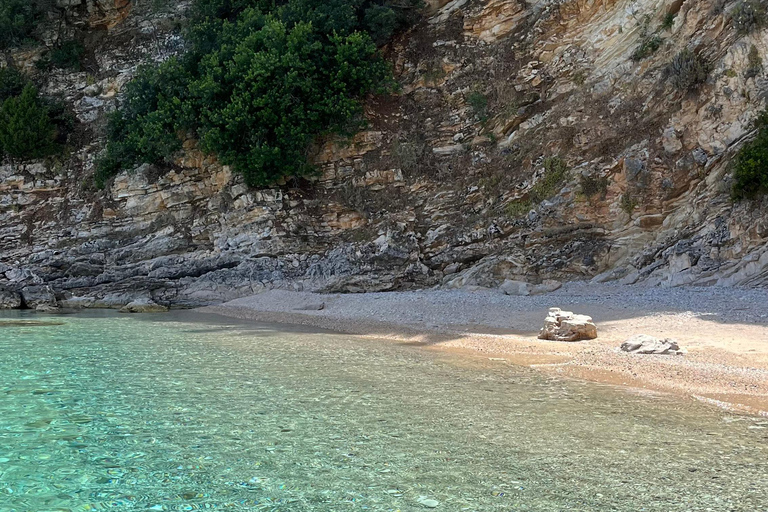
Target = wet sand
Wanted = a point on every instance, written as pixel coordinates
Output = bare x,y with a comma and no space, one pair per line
725,332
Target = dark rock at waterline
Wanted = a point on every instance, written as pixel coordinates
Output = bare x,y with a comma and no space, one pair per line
10,299
38,295
143,306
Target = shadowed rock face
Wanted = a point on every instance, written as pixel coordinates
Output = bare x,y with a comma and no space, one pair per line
439,189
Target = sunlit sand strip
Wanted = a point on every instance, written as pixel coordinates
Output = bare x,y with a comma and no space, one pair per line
731,407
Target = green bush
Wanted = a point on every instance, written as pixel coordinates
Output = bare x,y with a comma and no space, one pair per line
68,55
669,21
26,129
260,81
478,102
647,47
687,70
750,168
17,20
754,63
12,83
592,186
749,15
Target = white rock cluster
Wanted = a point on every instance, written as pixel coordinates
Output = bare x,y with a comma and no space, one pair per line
644,344
566,326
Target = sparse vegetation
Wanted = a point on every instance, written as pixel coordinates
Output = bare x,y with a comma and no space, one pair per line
434,72
669,21
407,155
627,203
519,208
750,168
754,63
555,172
749,15
647,47
687,70
592,186
479,103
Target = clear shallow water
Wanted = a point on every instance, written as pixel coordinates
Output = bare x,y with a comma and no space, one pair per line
185,412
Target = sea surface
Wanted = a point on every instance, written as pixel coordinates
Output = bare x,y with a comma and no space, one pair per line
184,411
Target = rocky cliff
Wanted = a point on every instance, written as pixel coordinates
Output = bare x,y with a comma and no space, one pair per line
450,185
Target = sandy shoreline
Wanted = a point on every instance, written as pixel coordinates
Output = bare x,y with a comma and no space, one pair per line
724,330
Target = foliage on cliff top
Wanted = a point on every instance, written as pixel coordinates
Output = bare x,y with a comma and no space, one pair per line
18,19
261,79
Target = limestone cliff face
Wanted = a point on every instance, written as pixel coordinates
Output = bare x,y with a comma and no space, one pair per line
436,191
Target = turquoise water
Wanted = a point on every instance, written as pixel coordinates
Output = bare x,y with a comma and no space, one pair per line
186,412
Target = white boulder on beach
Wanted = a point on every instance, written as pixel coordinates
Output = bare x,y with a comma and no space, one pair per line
644,344
566,326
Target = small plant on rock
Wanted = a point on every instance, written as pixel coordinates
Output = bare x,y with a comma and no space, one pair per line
627,203
749,15
687,70
592,186
479,103
754,63
647,47
555,172
669,21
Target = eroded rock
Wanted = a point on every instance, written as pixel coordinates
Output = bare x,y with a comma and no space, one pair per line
39,295
10,299
645,344
566,326
143,306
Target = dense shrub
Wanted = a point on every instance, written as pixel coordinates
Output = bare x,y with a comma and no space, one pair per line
748,16
30,125
11,83
261,79
26,129
687,70
750,169
68,55
18,19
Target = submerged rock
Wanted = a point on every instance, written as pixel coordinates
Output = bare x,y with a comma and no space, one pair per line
645,344
143,306
567,326
47,308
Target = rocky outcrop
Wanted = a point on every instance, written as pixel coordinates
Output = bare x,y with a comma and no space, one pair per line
565,326
10,299
438,190
644,344
143,306
39,296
